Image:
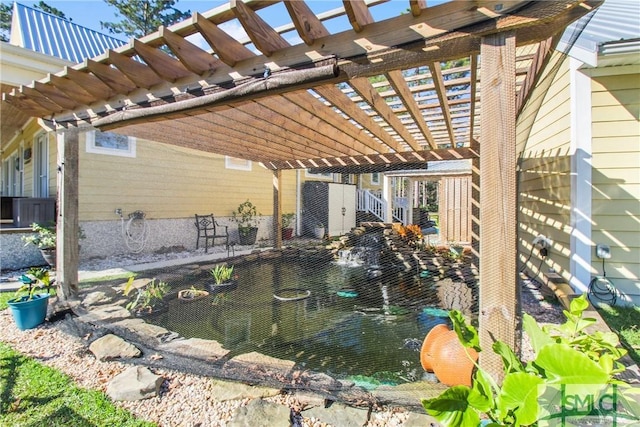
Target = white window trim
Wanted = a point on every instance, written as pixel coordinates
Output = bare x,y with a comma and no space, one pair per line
326,176
235,163
91,146
376,180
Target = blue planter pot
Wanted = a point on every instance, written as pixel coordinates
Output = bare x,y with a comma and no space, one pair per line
29,314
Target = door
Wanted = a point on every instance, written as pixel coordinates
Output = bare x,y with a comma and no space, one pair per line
342,209
41,166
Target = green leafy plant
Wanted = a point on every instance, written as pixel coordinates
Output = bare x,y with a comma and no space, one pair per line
45,237
147,297
33,281
222,273
246,217
287,219
564,354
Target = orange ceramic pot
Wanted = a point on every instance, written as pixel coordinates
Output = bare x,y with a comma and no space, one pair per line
451,364
426,352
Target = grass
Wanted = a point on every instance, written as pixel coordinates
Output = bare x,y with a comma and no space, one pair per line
32,394
624,321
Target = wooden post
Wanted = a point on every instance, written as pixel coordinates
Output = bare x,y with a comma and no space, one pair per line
277,208
498,245
67,222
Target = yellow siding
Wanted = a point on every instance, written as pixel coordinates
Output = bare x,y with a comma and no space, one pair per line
166,181
543,138
616,176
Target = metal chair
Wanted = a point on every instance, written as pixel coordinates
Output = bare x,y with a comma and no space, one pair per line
210,230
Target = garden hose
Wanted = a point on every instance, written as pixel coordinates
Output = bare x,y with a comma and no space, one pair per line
602,289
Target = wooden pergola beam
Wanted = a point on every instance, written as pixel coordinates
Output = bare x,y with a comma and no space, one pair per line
386,159
498,200
228,49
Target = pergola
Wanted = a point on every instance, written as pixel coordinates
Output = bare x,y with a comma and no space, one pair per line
436,83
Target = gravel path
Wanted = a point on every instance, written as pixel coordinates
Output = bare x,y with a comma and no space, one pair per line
183,400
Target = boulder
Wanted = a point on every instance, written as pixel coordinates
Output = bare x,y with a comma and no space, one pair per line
135,383
112,346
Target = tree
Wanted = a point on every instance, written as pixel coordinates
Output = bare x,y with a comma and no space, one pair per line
5,21
141,17
6,13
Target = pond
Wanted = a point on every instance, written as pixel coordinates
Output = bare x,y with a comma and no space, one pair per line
329,316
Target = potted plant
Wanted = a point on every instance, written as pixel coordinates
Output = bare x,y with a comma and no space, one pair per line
246,217
223,278
45,240
28,307
147,298
287,222
318,230
192,294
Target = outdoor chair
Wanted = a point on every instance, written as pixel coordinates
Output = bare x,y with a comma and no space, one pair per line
210,230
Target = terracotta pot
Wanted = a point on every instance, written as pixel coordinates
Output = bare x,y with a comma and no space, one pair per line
426,352
451,364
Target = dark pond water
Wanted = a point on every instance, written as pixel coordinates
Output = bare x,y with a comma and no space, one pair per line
373,337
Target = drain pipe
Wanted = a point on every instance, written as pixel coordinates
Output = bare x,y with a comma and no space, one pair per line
298,197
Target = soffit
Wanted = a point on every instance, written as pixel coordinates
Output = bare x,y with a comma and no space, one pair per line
403,90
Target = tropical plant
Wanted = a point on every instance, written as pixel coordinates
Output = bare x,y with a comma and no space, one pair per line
33,280
411,234
222,273
147,297
565,356
45,237
287,219
246,217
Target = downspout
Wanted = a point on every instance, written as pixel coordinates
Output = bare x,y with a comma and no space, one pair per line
581,156
298,203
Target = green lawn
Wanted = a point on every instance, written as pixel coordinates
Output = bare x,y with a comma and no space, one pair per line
624,321
32,394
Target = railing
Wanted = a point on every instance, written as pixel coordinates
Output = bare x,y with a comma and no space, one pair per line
369,202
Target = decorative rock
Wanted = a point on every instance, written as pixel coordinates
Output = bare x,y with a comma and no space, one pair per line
263,361
339,415
141,327
135,383
95,298
196,347
420,420
107,313
225,390
261,413
113,347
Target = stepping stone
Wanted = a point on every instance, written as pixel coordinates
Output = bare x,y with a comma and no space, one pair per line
135,383
261,413
112,346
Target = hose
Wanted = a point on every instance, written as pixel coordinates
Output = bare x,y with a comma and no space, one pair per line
135,241
602,289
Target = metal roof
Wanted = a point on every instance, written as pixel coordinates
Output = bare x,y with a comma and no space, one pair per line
614,20
48,34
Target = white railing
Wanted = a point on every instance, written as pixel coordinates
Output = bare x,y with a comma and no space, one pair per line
400,214
369,202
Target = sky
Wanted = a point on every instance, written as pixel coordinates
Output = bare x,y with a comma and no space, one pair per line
89,13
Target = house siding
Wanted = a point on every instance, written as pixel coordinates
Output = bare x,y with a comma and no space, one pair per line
616,177
543,135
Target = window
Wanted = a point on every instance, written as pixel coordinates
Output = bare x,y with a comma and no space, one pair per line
375,178
12,175
111,144
237,164
325,175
